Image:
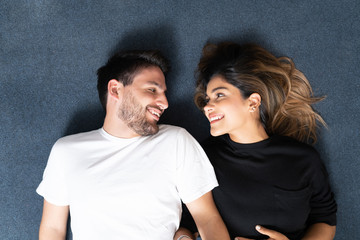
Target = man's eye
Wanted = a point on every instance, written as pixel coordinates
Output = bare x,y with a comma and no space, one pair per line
219,95
152,90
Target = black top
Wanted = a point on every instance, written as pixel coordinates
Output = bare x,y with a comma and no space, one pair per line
278,183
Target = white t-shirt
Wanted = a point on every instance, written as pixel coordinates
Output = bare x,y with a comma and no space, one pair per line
126,188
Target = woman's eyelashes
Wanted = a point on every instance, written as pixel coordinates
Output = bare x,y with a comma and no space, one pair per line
219,95
216,97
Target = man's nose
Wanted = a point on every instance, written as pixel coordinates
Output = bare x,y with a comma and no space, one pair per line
162,102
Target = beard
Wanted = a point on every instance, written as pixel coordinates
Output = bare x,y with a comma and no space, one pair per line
134,115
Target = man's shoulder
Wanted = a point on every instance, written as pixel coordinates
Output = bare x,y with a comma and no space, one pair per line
165,128
173,131
79,137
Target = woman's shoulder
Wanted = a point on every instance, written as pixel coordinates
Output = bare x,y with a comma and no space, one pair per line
290,142
292,147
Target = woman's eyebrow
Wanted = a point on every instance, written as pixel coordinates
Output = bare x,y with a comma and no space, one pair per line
218,88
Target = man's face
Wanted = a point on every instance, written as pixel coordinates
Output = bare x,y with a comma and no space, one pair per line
144,101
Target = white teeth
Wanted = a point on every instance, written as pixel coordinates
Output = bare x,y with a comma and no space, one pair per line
215,118
155,113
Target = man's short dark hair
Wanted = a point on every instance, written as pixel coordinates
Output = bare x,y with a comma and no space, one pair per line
123,66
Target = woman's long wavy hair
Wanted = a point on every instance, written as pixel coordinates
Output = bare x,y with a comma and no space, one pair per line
287,97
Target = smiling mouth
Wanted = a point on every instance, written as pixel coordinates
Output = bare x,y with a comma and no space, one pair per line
216,118
156,113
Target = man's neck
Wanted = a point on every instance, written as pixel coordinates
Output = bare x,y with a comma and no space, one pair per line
118,129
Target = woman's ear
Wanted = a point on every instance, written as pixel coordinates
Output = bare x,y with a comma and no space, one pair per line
254,101
115,89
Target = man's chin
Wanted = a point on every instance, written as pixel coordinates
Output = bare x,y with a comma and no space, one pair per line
148,130
154,129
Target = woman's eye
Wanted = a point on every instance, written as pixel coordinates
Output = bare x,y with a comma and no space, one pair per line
218,95
152,90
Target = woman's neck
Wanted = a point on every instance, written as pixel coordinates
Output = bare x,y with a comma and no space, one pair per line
250,135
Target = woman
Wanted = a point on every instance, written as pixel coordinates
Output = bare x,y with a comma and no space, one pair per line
261,117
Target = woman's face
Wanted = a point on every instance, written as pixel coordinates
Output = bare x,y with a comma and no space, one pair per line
227,111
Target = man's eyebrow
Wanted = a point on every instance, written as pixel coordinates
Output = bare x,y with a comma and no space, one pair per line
156,84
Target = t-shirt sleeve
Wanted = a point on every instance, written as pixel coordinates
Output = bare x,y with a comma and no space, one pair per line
195,174
53,186
322,202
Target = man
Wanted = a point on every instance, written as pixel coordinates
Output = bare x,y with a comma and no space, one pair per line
127,179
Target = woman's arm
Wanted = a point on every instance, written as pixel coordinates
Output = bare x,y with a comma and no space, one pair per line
317,231
273,235
320,231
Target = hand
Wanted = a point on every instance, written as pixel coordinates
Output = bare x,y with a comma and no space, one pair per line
184,232
273,235
192,237
242,238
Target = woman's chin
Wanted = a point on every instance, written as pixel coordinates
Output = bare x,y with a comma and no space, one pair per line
216,132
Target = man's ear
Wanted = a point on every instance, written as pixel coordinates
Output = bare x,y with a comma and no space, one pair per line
254,101
115,89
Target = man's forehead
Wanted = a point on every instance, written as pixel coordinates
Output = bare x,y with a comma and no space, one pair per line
150,76
153,82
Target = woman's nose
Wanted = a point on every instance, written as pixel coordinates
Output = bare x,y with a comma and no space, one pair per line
208,107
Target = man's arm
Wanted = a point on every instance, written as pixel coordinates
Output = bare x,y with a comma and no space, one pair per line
53,222
207,218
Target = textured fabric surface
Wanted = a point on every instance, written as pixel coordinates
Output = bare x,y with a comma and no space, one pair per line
126,188
50,51
277,183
